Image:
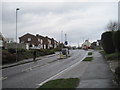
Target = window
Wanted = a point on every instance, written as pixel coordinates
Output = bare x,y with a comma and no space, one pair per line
22,41
41,41
38,39
29,39
49,41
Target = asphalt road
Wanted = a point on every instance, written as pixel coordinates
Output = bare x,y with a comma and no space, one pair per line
32,74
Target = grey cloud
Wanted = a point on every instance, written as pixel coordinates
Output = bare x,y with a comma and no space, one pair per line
78,20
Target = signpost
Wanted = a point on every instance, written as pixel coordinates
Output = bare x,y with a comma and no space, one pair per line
66,43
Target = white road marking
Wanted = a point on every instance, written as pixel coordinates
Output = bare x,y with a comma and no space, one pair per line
61,72
31,68
3,78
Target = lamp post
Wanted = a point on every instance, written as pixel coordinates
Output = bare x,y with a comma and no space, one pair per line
62,36
16,31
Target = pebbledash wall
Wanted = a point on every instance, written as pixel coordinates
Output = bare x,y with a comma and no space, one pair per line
19,45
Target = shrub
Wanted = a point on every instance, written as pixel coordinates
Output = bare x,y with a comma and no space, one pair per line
107,42
113,56
88,59
89,53
12,50
10,55
116,40
21,50
48,51
58,49
7,57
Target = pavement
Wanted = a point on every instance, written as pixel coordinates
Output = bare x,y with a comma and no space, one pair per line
27,61
92,74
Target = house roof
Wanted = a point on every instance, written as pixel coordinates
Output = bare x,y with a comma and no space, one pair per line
1,37
27,34
38,36
86,43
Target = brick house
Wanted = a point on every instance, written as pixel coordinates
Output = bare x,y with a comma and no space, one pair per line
30,39
38,41
86,44
55,44
50,43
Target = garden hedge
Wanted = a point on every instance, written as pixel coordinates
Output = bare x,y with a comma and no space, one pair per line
107,42
116,40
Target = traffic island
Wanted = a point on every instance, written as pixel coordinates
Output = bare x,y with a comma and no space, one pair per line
88,59
61,56
90,53
71,83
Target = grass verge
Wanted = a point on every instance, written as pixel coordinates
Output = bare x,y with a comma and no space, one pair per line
90,53
88,59
112,56
61,83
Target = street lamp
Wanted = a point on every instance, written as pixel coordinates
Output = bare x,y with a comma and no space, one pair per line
16,31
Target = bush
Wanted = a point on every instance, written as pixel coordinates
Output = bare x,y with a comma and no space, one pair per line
107,42
12,50
112,56
58,49
49,51
10,55
88,59
21,50
89,53
7,57
116,40
42,52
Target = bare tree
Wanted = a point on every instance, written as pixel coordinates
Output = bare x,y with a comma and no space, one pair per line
112,26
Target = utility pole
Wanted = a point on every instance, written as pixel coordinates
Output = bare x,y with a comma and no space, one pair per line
65,37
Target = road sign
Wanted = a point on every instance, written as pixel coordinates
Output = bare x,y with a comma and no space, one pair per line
66,43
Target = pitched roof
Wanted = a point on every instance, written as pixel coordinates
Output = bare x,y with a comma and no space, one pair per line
27,34
39,36
1,37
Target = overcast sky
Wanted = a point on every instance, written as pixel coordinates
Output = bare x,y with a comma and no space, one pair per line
79,20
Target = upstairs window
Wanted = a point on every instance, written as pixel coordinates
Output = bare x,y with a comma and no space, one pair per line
22,41
29,39
38,39
41,41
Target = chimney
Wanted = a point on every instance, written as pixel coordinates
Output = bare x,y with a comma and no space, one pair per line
37,34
